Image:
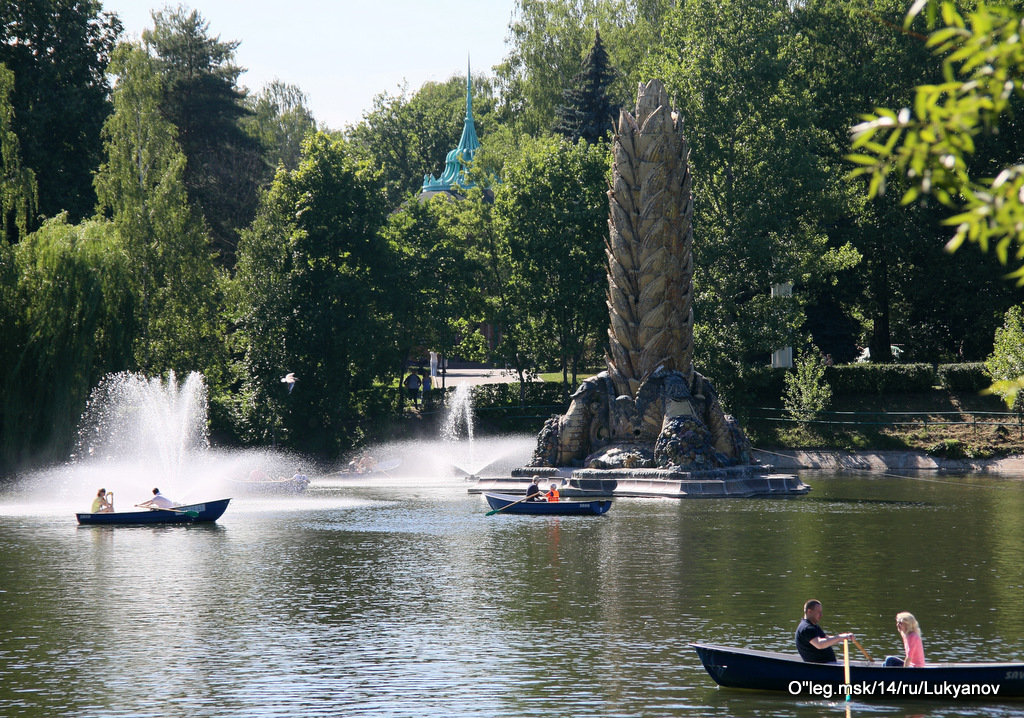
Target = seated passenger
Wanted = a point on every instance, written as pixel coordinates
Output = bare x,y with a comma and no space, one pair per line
103,504
913,648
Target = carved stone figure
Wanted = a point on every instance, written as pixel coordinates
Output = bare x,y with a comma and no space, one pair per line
650,408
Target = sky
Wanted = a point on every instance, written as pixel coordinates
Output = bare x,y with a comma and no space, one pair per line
341,53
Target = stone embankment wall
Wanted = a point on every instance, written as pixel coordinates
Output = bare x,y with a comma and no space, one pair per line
884,461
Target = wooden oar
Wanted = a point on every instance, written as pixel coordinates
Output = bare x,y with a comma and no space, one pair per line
190,514
857,644
526,498
846,667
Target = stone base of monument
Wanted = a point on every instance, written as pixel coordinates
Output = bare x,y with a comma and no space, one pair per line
728,482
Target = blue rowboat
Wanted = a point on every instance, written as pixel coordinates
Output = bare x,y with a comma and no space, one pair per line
188,514
503,503
770,671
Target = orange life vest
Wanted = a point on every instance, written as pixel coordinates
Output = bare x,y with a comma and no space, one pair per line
552,495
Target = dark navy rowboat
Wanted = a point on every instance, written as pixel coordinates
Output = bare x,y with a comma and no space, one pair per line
546,508
188,514
770,671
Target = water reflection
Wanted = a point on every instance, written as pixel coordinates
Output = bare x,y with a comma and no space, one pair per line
399,597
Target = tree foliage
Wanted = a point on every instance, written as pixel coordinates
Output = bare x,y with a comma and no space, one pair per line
547,42
58,51
18,189
764,195
551,212
442,302
807,393
225,166
1006,363
931,143
588,112
141,187
409,136
280,120
75,322
312,289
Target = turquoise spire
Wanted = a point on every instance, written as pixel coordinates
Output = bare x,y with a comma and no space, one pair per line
455,164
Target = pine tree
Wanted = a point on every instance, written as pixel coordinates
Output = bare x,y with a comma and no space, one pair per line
225,165
588,113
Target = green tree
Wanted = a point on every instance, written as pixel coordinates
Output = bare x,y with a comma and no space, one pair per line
312,298
931,144
549,38
443,296
551,212
225,166
280,120
764,197
58,51
141,187
807,393
410,136
588,112
75,323
1006,364
18,189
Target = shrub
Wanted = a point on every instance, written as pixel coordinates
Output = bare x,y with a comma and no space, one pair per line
1006,364
807,393
880,378
970,376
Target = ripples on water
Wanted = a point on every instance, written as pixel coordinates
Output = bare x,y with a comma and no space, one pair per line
398,598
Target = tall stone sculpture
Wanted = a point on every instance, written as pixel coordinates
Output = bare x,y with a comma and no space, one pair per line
649,409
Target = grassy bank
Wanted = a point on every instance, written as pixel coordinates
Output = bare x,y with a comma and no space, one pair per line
939,422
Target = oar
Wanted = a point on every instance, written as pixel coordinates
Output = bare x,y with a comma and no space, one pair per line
525,498
190,514
846,668
857,644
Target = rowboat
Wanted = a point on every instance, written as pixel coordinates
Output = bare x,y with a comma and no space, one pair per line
770,671
188,514
545,508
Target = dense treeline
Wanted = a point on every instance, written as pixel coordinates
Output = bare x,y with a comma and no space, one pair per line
157,218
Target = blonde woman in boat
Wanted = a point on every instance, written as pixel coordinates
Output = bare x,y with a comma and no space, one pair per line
913,648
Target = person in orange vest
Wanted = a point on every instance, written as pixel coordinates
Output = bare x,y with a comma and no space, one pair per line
552,494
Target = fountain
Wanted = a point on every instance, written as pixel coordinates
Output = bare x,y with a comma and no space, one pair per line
141,432
650,425
456,452
130,416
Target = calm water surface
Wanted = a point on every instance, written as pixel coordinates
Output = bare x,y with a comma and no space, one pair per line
399,597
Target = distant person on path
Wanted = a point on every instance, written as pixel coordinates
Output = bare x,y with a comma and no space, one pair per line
412,385
552,494
812,643
913,649
102,504
533,490
433,365
159,501
427,385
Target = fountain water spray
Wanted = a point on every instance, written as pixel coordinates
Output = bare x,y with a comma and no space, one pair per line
459,417
133,417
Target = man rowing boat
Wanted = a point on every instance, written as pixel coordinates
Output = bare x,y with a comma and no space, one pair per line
812,643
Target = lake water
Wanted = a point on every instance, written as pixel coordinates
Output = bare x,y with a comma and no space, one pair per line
399,597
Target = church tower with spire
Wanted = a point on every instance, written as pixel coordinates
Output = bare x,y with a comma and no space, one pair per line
458,160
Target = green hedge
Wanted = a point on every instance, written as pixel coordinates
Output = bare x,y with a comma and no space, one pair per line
870,378
507,395
969,376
